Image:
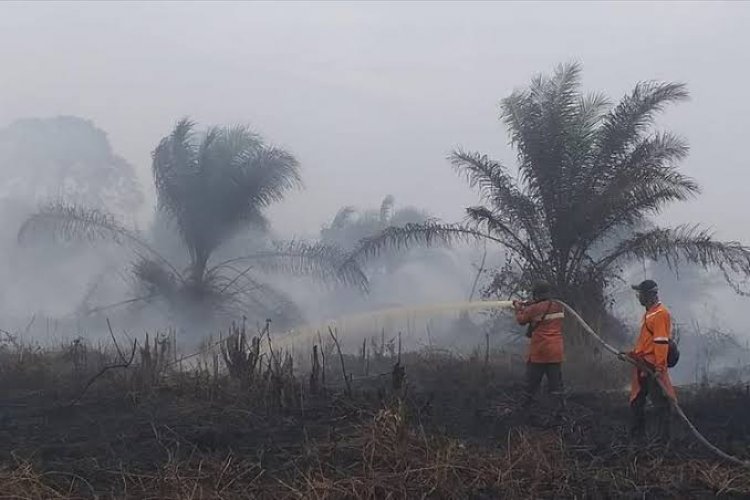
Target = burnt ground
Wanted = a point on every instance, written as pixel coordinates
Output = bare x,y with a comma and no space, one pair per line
451,428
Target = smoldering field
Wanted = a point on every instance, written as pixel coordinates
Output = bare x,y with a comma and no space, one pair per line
152,360
128,421
157,406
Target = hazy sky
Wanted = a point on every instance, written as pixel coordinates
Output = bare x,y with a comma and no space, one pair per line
372,96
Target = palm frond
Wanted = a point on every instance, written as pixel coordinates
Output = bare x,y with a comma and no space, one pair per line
265,175
591,109
648,198
488,176
67,222
489,222
546,128
206,145
174,158
651,157
625,124
681,244
621,146
582,137
557,96
155,279
326,263
566,79
660,150
430,233
235,141
262,301
518,211
646,182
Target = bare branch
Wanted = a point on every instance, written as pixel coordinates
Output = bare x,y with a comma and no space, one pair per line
125,363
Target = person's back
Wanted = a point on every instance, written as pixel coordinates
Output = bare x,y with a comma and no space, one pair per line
544,319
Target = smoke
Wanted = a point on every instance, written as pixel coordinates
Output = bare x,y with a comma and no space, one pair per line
68,289
47,159
71,288
703,307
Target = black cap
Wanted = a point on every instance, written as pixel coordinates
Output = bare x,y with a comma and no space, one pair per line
646,286
541,289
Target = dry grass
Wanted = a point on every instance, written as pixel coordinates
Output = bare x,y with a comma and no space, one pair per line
249,425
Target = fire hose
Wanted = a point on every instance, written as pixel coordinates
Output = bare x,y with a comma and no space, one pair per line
673,402
503,304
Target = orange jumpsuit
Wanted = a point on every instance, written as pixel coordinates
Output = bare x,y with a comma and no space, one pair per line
652,347
546,344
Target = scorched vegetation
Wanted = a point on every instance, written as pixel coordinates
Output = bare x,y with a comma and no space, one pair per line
211,186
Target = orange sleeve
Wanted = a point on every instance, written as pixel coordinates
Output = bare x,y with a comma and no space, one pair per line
522,315
661,325
525,314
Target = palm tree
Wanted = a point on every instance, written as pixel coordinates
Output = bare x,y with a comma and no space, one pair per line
210,186
350,226
591,176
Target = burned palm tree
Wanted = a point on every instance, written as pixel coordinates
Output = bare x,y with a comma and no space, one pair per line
591,176
211,186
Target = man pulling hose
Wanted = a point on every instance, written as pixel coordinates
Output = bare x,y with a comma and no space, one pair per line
673,402
651,351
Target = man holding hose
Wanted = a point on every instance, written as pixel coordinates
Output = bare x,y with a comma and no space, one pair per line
651,352
544,319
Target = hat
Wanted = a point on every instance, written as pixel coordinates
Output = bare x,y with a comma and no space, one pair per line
541,289
646,286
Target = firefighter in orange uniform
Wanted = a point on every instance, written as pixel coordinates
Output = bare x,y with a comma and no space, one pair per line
544,320
651,349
